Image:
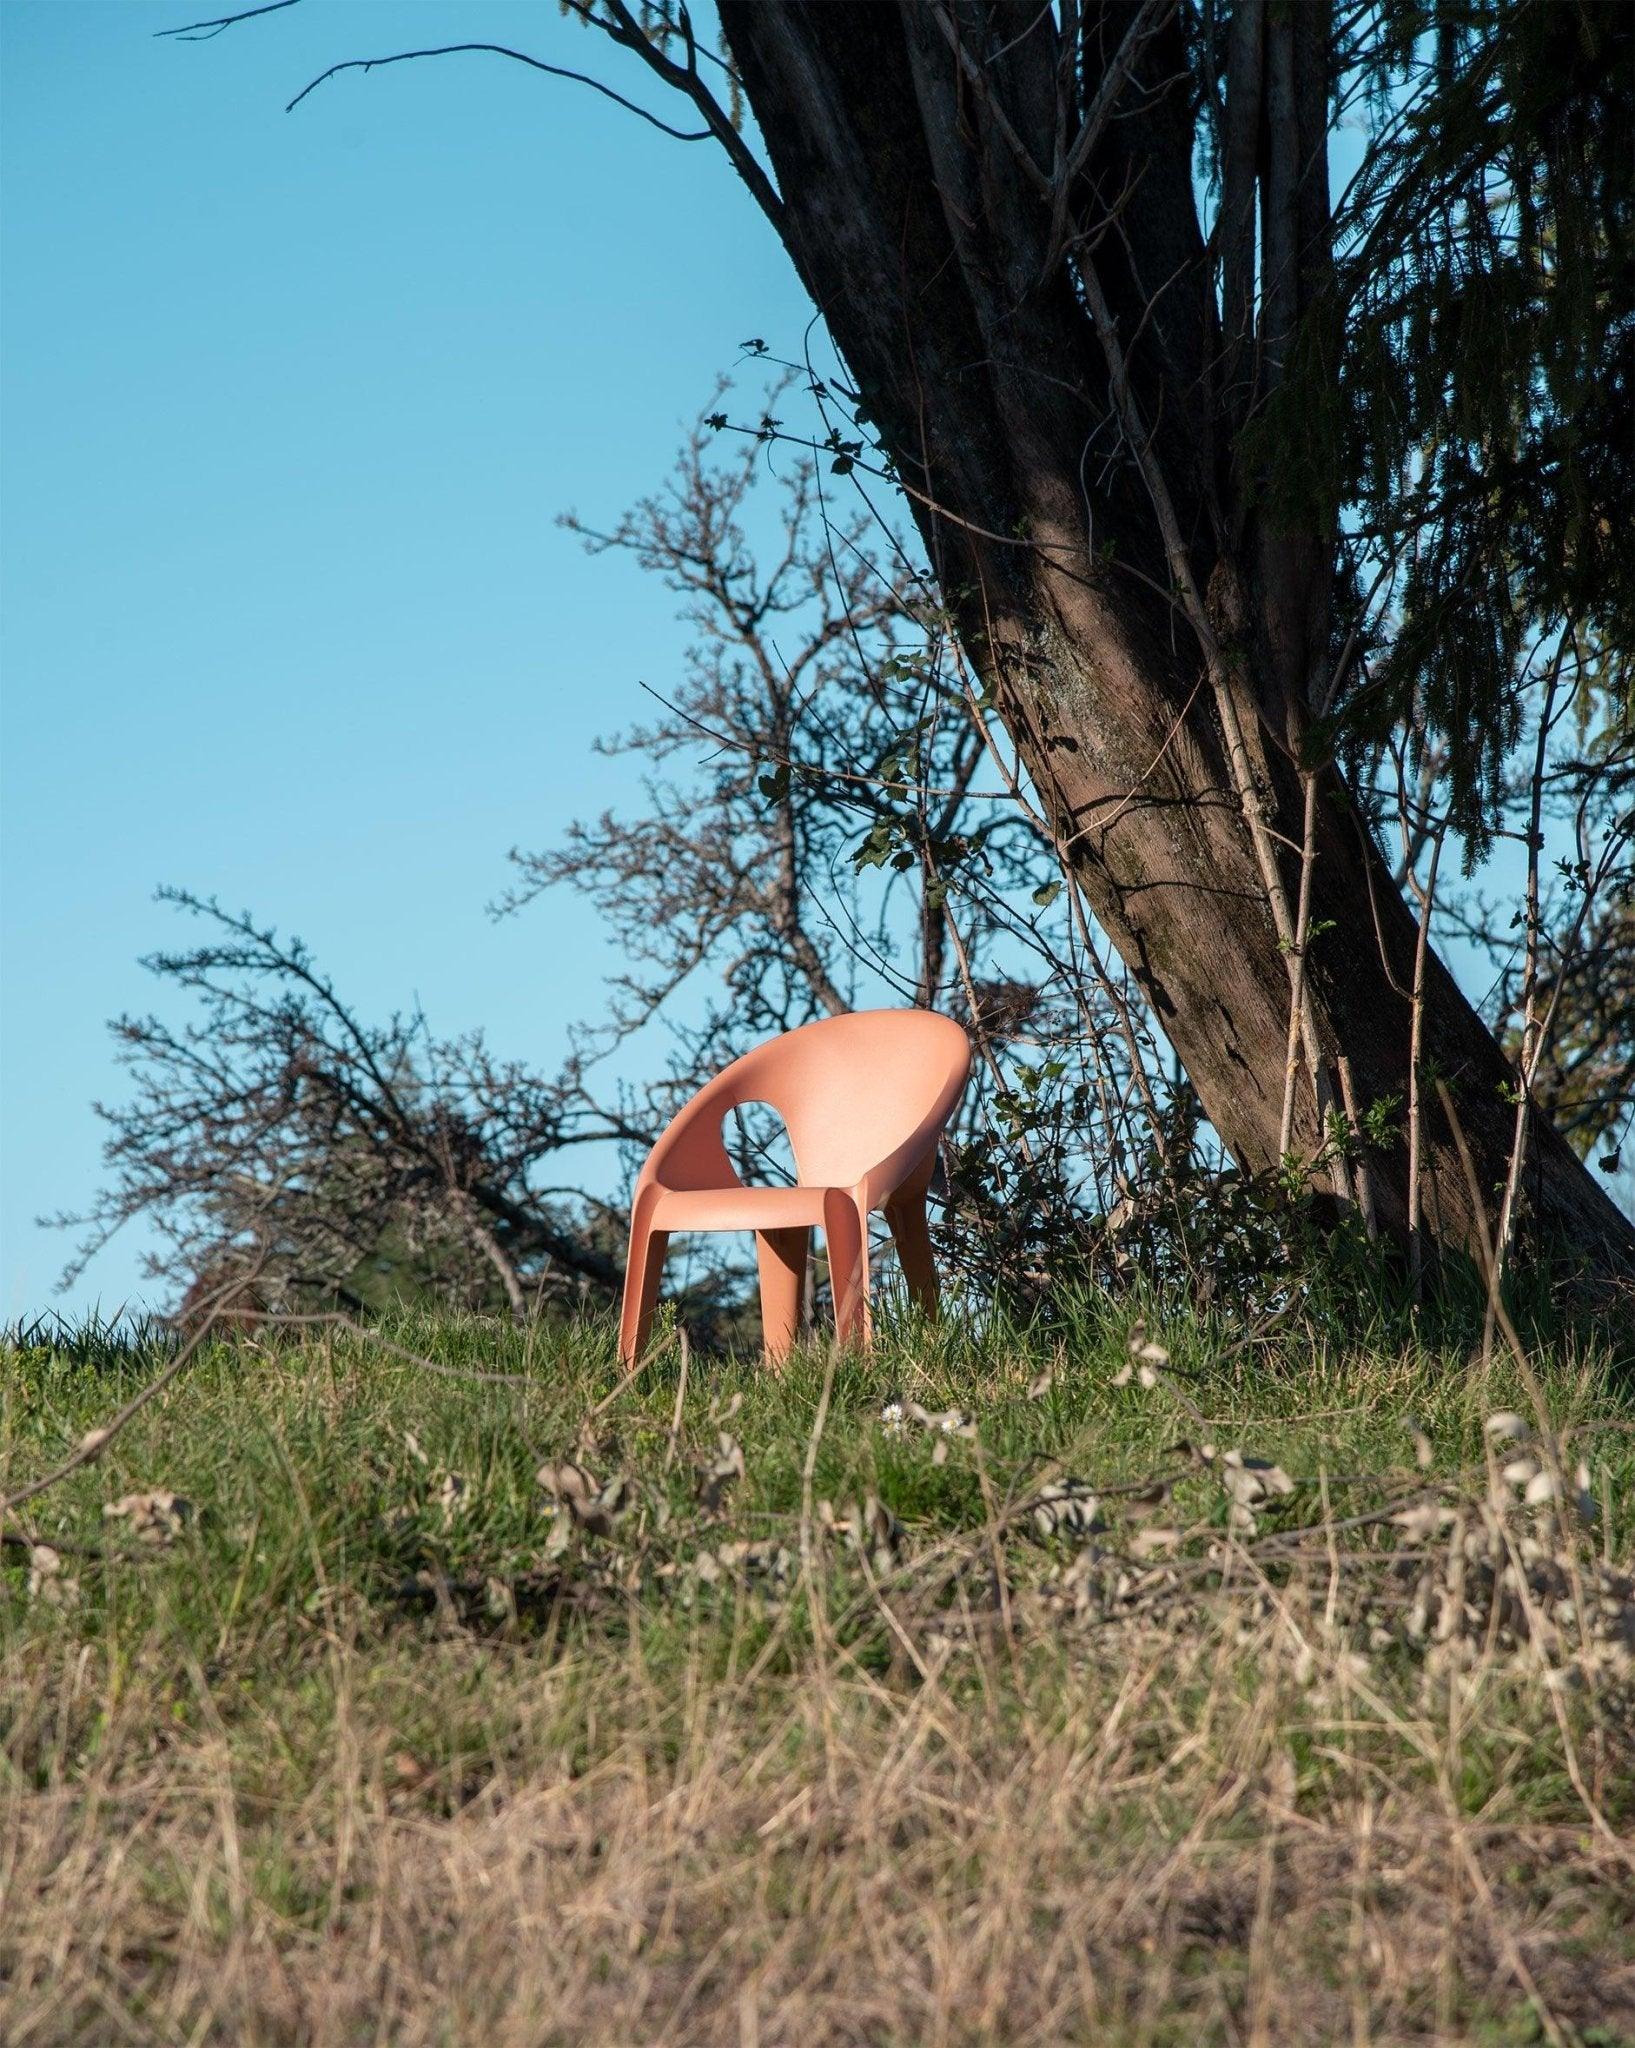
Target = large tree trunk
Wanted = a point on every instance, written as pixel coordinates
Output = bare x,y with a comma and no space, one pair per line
901,136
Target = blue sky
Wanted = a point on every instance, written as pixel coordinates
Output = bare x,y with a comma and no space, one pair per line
291,403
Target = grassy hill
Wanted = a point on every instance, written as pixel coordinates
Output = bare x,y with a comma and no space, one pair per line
1218,1689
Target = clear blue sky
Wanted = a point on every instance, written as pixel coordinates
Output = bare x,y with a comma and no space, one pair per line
291,403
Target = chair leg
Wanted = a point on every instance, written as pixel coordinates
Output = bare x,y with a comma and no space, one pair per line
643,1270
781,1256
912,1236
846,1235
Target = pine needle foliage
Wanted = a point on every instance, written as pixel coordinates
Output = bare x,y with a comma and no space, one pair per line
1477,437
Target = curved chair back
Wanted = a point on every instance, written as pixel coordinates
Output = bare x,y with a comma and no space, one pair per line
853,1092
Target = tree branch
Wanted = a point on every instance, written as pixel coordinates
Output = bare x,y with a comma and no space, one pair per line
517,57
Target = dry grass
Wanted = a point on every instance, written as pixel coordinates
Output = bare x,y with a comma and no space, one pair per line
355,1755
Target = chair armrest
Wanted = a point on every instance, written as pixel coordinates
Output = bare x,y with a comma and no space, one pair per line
689,1152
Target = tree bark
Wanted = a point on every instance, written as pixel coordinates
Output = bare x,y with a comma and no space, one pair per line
913,144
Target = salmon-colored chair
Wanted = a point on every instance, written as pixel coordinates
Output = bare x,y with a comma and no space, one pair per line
864,1098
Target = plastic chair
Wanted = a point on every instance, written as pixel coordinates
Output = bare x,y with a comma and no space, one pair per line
864,1098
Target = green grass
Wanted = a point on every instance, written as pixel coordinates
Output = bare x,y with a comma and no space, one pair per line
361,1754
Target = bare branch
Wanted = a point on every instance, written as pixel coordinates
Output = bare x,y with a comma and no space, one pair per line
204,31
517,57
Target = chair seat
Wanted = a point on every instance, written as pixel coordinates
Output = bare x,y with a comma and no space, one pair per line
739,1208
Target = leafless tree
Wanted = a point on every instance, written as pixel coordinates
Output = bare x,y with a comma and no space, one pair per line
816,733
275,1132
829,820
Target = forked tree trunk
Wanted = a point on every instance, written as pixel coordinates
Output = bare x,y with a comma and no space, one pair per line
901,136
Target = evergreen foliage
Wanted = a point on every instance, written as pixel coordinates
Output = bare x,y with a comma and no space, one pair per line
1478,433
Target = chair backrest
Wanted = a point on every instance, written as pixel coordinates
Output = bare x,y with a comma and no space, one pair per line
853,1089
